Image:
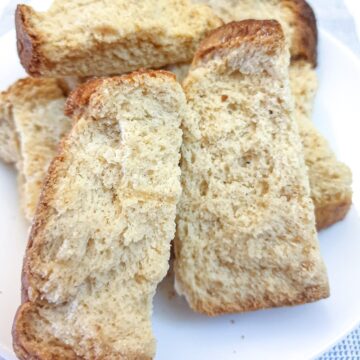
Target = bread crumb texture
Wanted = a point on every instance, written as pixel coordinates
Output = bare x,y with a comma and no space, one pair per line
8,141
97,38
100,242
34,115
330,179
246,235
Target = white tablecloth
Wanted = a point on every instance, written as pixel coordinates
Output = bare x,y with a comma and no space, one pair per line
341,18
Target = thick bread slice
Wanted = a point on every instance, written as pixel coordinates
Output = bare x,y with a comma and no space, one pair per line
295,16
34,111
97,38
330,179
100,242
246,226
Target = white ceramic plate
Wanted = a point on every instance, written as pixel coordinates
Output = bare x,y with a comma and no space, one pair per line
301,332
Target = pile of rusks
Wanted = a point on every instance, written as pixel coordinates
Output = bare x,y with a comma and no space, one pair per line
113,158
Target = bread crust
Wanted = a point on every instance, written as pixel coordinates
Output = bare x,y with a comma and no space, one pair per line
308,296
299,16
37,61
41,218
266,33
28,43
51,348
21,89
305,38
28,46
79,98
330,214
24,347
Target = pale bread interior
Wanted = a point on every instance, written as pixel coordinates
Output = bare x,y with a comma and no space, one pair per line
246,230
100,242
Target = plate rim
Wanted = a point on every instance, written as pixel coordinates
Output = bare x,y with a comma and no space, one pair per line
354,58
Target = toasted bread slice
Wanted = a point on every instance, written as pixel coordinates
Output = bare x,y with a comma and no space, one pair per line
34,112
330,179
246,226
92,38
100,242
295,16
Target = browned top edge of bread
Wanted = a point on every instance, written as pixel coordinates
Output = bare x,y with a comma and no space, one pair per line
259,32
27,41
305,37
80,97
23,89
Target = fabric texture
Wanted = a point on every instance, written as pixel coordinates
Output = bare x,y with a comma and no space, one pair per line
347,349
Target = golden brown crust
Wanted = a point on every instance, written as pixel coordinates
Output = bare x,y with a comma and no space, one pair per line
46,89
305,37
28,42
28,345
332,213
259,32
38,60
80,97
41,217
307,296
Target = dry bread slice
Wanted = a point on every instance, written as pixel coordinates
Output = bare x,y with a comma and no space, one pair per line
100,241
330,179
34,122
246,227
295,16
97,38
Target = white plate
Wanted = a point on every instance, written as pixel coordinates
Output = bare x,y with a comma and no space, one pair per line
301,332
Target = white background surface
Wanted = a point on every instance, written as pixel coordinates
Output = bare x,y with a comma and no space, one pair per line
296,333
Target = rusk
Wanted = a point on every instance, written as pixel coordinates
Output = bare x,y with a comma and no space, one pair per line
100,241
33,122
109,37
246,236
